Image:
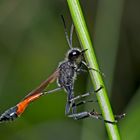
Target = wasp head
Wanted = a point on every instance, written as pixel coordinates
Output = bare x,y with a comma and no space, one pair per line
76,55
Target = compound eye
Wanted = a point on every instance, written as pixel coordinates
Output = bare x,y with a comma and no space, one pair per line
73,54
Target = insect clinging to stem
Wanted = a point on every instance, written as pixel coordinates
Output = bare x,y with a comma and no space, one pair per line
65,75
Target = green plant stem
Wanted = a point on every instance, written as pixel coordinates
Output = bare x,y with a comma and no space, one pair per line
96,78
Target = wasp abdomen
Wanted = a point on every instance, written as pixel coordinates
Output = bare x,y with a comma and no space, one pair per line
9,114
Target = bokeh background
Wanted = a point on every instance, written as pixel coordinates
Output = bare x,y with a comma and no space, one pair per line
32,43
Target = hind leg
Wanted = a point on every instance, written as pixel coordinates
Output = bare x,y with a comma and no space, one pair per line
70,105
95,115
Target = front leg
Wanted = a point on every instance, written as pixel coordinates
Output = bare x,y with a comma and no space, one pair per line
80,69
89,68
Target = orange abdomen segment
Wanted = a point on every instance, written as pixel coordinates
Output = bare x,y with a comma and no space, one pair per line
23,104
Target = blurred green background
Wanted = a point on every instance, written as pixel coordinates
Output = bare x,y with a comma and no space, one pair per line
32,43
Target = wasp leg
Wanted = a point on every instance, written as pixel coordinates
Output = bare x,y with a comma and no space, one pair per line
81,70
89,68
53,90
82,96
83,115
95,115
86,94
83,102
70,105
119,117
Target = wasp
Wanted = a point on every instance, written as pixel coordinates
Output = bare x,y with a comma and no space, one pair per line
65,75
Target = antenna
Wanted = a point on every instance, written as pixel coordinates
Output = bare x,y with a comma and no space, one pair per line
66,33
71,33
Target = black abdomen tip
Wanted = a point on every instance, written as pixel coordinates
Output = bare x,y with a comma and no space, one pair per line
9,114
